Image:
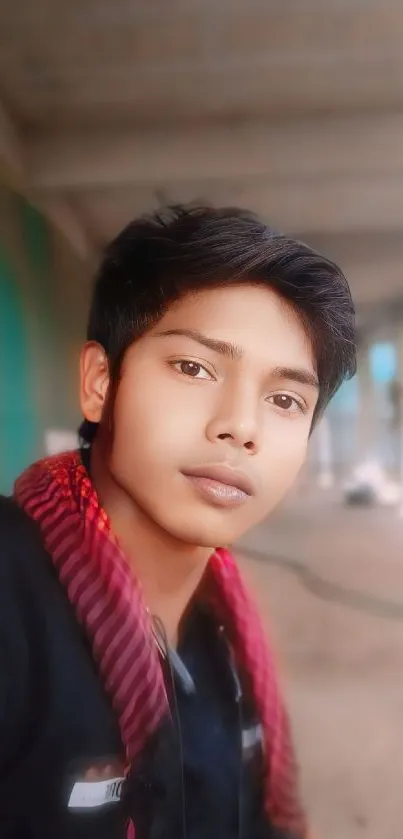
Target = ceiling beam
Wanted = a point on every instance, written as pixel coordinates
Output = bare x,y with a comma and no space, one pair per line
374,284
318,207
67,220
59,212
11,147
315,148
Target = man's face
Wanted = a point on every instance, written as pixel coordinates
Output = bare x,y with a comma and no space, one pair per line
212,413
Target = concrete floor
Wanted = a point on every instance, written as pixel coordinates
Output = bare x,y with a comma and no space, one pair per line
342,665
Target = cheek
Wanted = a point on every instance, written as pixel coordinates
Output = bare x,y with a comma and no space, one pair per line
151,426
138,420
284,463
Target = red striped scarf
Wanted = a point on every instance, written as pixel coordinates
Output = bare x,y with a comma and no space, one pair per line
58,494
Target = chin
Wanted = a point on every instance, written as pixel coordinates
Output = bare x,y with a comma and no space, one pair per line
205,534
202,525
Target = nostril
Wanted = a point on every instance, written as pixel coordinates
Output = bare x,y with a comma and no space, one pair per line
249,446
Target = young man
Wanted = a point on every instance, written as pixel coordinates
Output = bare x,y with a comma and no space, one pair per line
137,695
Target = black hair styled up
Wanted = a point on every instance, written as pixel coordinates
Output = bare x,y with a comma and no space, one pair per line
158,258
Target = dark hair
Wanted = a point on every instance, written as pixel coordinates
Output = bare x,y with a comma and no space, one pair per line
158,258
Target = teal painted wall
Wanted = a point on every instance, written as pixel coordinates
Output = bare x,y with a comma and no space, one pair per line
18,420
43,302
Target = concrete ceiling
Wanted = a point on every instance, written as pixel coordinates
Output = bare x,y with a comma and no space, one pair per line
292,109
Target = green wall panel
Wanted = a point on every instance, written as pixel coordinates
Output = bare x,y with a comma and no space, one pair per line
18,422
38,251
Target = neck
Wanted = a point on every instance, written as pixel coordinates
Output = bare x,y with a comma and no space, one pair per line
168,569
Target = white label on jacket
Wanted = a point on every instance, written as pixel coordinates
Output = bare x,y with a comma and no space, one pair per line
252,737
95,793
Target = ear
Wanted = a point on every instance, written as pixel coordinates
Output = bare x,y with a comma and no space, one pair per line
94,381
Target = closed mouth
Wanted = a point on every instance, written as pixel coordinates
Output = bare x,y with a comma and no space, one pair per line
223,475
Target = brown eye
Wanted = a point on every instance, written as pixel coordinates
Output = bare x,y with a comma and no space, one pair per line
192,369
283,401
286,403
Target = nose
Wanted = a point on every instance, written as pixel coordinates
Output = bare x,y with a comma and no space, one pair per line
236,419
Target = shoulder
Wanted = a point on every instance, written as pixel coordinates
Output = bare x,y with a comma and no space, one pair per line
31,596
12,516
9,507
19,535
24,563
20,638
18,540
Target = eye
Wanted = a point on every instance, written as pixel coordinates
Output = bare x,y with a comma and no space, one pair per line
288,404
192,369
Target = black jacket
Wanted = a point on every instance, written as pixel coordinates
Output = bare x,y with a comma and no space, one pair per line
56,723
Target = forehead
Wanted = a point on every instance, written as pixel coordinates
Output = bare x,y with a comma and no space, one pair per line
253,317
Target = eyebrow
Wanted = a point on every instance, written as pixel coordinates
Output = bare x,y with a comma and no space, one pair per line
296,374
222,347
233,351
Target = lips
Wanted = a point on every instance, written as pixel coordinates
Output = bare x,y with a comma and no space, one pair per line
224,475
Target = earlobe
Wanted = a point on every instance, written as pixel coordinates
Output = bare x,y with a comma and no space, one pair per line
94,381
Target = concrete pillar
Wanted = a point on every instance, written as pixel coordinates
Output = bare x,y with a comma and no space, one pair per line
399,409
325,454
367,420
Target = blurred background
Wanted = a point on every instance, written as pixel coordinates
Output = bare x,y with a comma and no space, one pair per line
293,109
